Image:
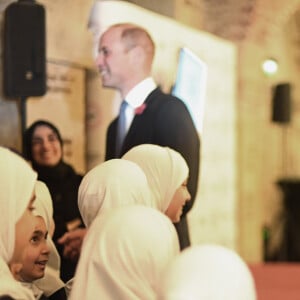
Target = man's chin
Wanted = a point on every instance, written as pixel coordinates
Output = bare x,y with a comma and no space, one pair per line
106,84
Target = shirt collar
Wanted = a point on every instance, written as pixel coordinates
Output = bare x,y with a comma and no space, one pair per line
140,92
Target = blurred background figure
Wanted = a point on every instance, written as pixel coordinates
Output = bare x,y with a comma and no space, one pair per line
209,272
43,147
124,255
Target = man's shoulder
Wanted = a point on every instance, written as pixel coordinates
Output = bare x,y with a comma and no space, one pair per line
158,93
162,99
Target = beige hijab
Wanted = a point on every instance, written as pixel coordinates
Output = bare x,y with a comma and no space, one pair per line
207,272
124,254
111,184
165,169
17,181
51,282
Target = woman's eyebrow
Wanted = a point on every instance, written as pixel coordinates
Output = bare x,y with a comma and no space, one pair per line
40,233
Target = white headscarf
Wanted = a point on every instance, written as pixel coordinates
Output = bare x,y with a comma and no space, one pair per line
51,281
111,184
165,169
124,254
43,204
208,272
17,180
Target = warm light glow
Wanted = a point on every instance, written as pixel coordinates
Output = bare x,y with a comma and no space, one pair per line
270,66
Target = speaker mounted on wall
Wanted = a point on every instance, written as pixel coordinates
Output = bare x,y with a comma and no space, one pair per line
24,53
281,103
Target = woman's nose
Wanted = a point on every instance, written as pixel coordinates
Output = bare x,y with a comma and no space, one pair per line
46,248
188,196
45,143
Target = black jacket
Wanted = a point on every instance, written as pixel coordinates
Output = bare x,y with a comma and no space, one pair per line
166,122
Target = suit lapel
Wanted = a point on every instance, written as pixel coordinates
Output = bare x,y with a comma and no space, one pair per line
137,127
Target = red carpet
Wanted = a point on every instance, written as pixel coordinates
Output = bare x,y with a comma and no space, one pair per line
277,281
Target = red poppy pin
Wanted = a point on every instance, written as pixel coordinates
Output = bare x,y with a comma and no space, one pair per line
139,110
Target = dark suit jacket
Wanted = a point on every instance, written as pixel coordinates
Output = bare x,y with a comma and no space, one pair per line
165,122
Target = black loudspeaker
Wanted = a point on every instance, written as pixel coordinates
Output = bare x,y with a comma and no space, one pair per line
24,53
281,103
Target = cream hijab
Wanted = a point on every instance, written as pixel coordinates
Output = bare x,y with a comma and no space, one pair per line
17,181
43,205
124,254
111,184
165,169
208,272
51,282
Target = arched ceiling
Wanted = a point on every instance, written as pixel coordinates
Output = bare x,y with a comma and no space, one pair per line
238,20
229,19
235,20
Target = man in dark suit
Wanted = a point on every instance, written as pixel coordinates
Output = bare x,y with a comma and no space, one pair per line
124,60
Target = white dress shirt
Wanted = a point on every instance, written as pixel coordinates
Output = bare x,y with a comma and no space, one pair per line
136,98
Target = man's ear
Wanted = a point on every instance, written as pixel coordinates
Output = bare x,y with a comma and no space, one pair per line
137,55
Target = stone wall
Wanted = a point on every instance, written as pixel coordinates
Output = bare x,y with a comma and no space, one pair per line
265,151
255,145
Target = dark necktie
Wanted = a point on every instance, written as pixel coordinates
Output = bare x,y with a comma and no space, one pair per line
121,129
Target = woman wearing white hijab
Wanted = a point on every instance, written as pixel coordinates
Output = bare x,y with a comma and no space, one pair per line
51,282
207,272
17,181
111,184
124,255
167,174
